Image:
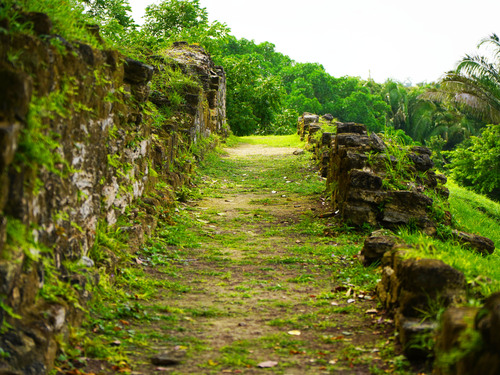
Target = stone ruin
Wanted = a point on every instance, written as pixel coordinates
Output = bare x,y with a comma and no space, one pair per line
361,173
87,160
385,186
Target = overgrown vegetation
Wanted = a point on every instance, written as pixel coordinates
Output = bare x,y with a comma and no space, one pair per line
267,90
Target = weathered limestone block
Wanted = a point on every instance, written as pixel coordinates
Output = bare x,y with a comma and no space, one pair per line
468,342
415,335
359,214
376,246
481,244
377,143
137,72
488,322
421,157
403,207
15,96
410,287
431,276
351,127
327,138
309,118
363,179
353,140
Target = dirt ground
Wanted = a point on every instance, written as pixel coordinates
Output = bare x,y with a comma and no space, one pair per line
259,294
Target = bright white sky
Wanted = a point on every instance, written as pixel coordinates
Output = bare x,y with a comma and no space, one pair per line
416,40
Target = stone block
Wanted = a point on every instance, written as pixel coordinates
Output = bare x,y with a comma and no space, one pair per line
422,162
15,96
42,25
376,246
377,143
137,72
352,140
429,276
362,179
310,118
358,214
326,138
351,127
481,244
415,337
8,143
488,322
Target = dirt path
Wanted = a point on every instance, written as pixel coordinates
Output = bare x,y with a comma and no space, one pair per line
247,282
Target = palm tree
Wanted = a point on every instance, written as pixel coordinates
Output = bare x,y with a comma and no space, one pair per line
475,84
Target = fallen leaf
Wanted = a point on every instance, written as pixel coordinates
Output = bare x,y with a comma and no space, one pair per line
332,362
294,333
124,322
267,364
350,300
335,338
371,311
138,261
212,363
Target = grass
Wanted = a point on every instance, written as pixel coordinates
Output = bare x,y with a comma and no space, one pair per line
251,275
292,140
475,213
481,272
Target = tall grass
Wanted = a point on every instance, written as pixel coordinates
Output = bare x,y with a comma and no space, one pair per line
475,213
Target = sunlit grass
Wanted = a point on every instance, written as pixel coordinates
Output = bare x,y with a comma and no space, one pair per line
482,271
475,213
292,140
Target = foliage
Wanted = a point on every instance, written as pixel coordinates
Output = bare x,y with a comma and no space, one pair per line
67,17
474,213
113,17
266,90
475,83
424,119
477,162
176,20
482,273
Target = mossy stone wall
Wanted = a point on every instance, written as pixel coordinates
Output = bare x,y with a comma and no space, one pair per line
80,142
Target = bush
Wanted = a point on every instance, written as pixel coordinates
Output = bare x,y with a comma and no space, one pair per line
477,162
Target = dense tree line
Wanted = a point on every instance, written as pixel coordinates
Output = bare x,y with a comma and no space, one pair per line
267,90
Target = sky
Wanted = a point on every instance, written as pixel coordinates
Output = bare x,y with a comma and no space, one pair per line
410,41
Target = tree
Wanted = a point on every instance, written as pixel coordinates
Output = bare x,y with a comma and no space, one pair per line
477,163
176,20
475,83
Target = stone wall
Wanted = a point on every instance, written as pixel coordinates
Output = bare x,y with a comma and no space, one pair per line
386,185
464,340
80,142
